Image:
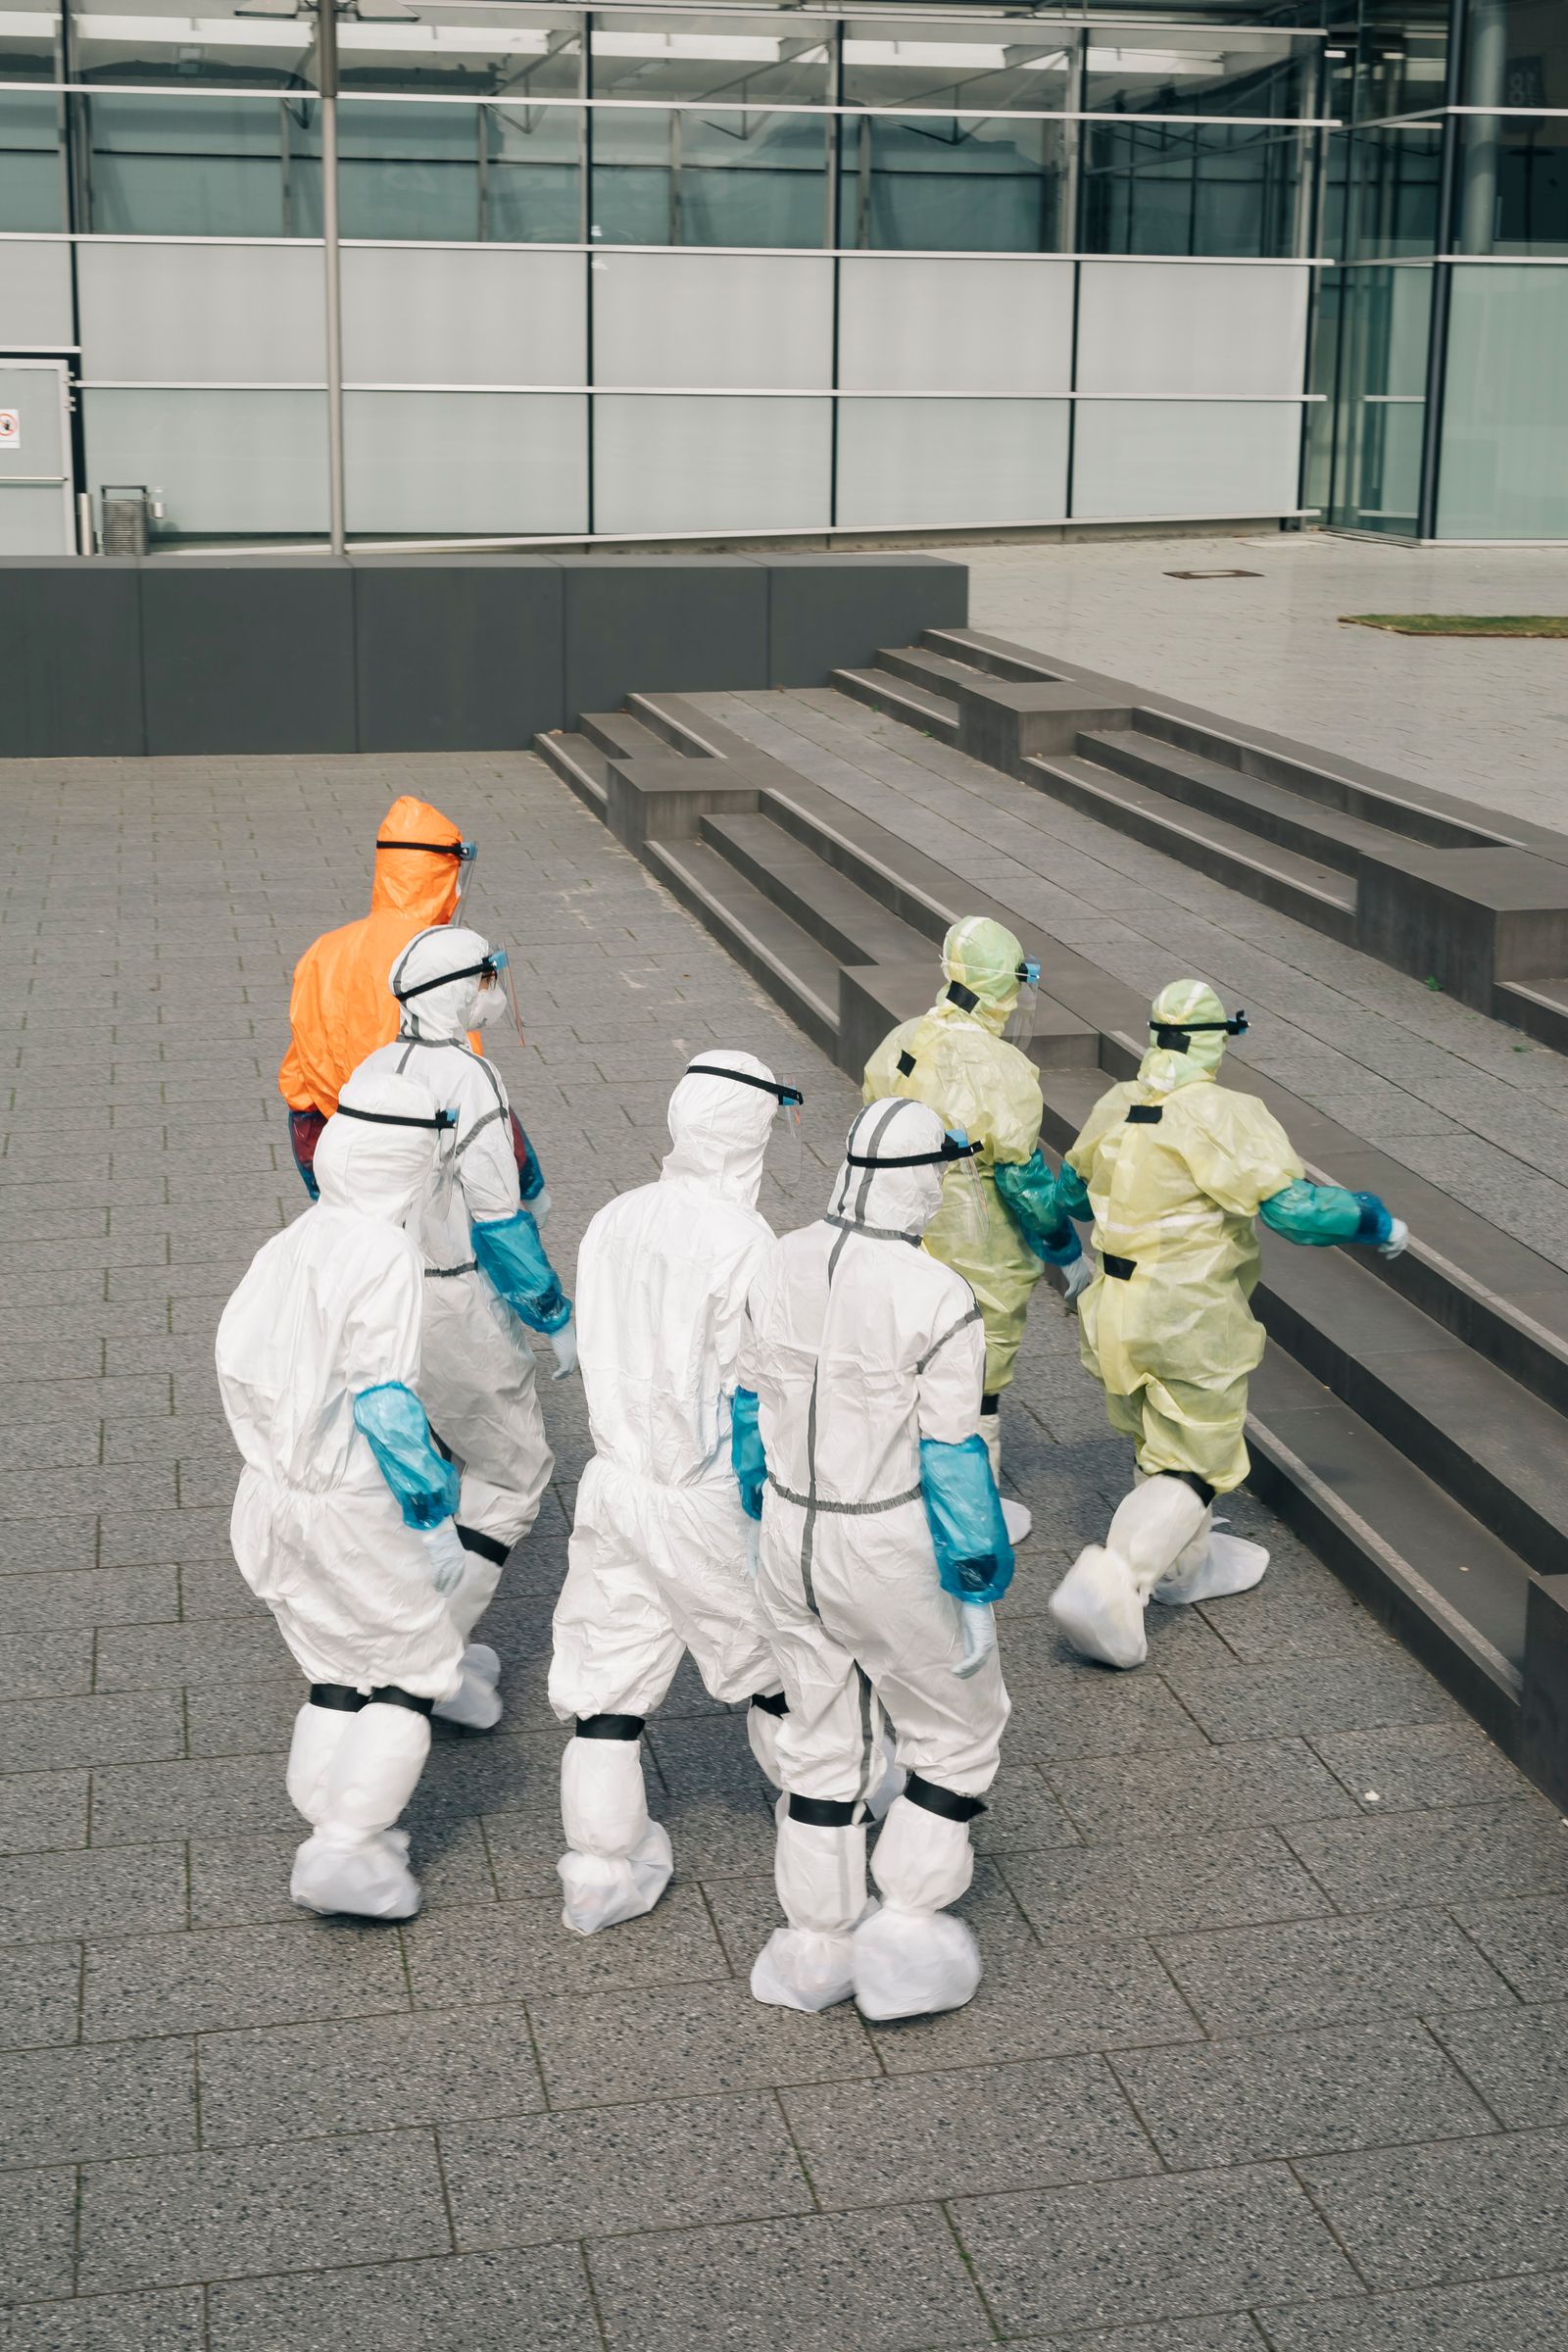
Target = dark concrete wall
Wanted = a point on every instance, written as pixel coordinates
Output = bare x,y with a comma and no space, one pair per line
413,654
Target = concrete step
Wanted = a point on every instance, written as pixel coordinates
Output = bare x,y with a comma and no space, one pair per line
621,736
916,705
921,666
852,926
1539,1007
798,973
989,657
1323,835
1281,878
578,762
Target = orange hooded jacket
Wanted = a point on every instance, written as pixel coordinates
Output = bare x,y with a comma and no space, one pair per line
341,1008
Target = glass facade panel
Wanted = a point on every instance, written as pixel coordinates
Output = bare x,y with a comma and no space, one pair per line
1512,194
664,177
129,41
954,462
727,322
1197,457
986,68
36,295
1402,58
1192,187
1210,69
465,175
159,166
744,60
33,183
1505,405
465,52
953,183
413,316
225,464
429,462
1395,179
668,464
912,322
1384,322
203,313
1179,327
29,43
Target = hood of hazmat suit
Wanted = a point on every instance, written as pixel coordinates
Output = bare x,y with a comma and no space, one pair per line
862,1345
341,1008
1176,1168
657,1560
956,1060
331,1307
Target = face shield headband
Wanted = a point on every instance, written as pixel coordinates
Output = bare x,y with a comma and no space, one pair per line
488,968
394,1118
464,852
1170,1035
954,1147
963,1209
783,1161
789,1096
1019,1026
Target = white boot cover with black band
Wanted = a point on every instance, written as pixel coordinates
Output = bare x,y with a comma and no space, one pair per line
819,1871
910,1958
357,1859
1212,1566
1100,1602
618,1862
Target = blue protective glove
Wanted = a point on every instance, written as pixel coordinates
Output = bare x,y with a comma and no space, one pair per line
747,1457
963,1510
1319,1214
423,1482
1032,1197
530,1175
512,1257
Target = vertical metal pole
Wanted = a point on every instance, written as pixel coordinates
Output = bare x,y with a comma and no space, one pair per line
327,79
1426,521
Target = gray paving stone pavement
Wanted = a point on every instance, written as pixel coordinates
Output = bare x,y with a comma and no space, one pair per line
1270,2054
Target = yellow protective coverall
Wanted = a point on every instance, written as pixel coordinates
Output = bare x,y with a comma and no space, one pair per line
956,1060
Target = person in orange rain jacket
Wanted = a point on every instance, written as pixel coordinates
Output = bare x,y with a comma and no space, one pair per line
341,1008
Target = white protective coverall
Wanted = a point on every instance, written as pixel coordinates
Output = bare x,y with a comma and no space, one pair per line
331,1309
478,1379
859,1345
658,1563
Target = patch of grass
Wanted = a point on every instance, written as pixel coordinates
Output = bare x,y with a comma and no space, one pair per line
1462,625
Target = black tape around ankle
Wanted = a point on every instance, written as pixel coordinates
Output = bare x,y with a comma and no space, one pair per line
770,1702
824,1812
485,1545
1201,1487
932,1797
610,1727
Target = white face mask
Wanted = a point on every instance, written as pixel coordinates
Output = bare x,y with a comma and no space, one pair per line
491,1006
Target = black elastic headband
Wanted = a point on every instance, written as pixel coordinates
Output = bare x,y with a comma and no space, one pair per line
917,1160
422,988
394,1118
765,1086
437,849
1168,1035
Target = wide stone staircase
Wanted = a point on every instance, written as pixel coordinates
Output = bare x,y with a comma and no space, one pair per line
1409,1418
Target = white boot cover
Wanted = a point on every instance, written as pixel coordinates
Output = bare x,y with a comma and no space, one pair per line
317,1736
1100,1602
618,1861
821,1875
475,1704
357,1860
1210,1570
910,1959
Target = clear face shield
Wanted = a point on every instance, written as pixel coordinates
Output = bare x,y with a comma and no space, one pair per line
498,995
1019,1027
964,1200
783,1160
444,1156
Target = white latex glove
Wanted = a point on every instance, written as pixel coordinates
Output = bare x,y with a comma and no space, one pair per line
539,1207
1079,1274
446,1556
564,1343
1399,1235
979,1637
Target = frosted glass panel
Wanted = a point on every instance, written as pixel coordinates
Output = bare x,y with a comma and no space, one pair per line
486,463
36,295
1216,456
223,462
750,321
34,521
1170,327
433,316
904,461
969,325
1505,409
664,465
202,314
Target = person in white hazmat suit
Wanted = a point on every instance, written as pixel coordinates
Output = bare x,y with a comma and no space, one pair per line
659,1563
858,1435
487,1279
342,1522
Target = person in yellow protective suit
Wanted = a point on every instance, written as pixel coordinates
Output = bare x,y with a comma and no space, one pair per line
1176,1169
342,1007
960,1060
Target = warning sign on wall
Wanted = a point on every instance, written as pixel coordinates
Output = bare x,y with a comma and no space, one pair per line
10,429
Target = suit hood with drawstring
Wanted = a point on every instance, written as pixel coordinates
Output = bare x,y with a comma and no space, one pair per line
341,1008
659,1545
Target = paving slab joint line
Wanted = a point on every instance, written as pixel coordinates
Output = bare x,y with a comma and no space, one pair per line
968,2259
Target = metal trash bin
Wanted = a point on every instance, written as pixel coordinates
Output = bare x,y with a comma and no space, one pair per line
126,513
